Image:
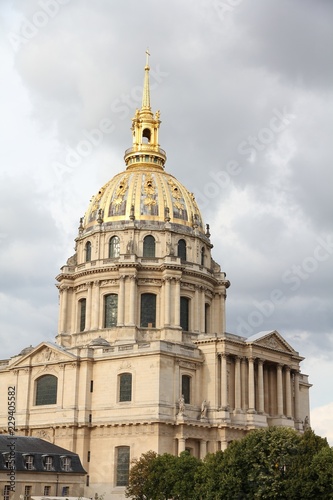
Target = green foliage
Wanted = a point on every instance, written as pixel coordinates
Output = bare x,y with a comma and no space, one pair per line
275,463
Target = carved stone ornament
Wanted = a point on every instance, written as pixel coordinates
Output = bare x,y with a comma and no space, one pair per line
47,354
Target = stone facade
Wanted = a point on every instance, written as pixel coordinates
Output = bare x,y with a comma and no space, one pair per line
142,360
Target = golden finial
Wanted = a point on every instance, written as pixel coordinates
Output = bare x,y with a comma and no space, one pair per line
146,90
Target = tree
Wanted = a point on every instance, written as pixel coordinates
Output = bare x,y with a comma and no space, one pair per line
274,463
159,477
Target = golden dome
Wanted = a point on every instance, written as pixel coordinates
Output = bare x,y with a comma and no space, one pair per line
144,192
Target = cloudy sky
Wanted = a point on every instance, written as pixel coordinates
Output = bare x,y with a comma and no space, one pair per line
245,93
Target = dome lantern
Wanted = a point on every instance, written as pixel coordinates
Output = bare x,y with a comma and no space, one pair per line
145,126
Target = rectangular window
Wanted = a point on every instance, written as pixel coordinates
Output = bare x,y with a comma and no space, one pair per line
48,463
82,304
87,480
88,456
29,462
6,492
110,310
148,310
65,491
66,464
47,491
125,387
123,464
186,388
184,313
27,493
91,386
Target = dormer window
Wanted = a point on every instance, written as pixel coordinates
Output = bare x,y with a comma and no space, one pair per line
66,464
48,463
29,462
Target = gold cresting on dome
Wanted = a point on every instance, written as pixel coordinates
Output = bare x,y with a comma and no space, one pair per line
144,191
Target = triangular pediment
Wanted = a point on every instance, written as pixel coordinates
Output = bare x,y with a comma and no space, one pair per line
272,340
44,353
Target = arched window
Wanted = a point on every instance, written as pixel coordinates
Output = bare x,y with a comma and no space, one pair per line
184,313
114,247
203,256
182,249
186,388
46,390
110,310
146,134
149,246
122,465
125,387
82,314
148,310
88,251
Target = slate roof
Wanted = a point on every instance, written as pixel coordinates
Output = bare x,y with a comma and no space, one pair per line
37,447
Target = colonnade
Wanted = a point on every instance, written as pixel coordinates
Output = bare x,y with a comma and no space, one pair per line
252,385
128,286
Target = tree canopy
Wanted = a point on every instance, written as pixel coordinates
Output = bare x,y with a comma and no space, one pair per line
273,463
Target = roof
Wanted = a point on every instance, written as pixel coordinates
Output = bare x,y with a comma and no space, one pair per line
25,445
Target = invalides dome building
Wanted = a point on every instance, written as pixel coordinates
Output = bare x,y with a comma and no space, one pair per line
142,360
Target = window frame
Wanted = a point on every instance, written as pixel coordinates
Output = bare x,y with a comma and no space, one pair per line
114,247
48,462
47,490
6,491
29,462
27,492
122,481
87,251
112,324
182,249
123,391
66,463
41,397
144,311
183,300
186,391
149,247
82,317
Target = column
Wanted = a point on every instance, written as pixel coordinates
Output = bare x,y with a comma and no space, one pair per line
167,301
203,449
181,445
121,301
202,311
95,305
251,387
244,405
196,309
261,405
288,392
296,391
238,395
63,308
224,382
89,306
132,300
177,302
279,390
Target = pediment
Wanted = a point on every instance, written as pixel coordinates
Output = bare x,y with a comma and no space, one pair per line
44,353
272,340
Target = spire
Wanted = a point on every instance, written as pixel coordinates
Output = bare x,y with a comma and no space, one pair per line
145,126
146,89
